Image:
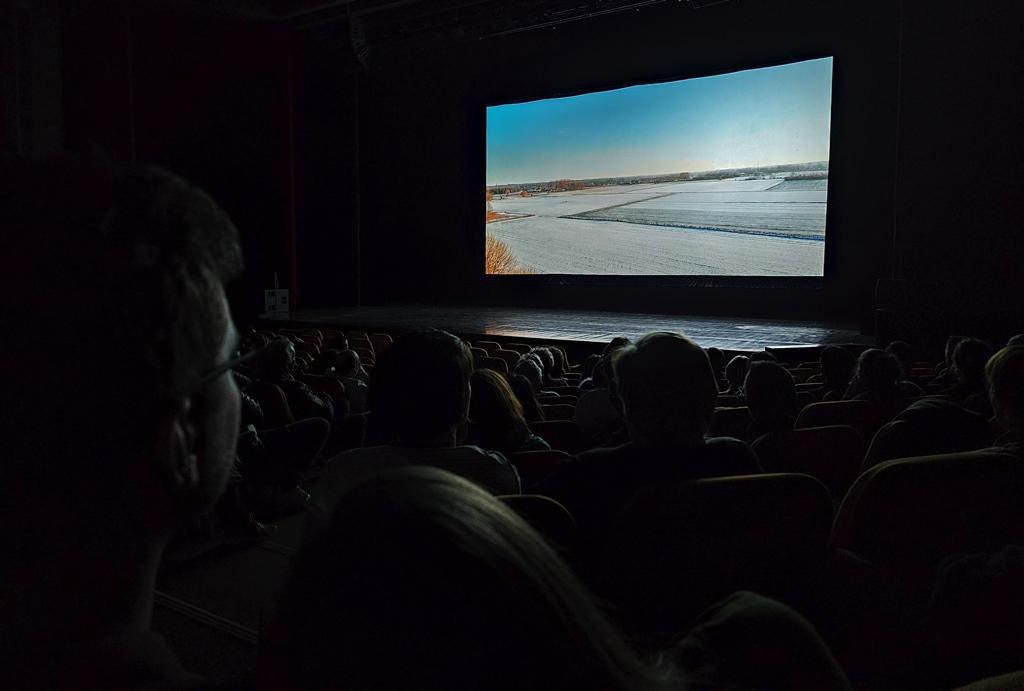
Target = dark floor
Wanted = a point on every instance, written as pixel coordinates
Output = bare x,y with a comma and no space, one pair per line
578,325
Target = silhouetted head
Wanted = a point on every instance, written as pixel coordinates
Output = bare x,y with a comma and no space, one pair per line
495,414
904,354
420,389
969,360
615,344
1005,375
528,368
589,364
951,344
771,394
762,356
879,372
837,366
424,581
277,360
136,433
524,392
1017,340
347,364
736,371
560,364
667,389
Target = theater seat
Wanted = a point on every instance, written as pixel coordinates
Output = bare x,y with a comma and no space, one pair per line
494,363
535,466
831,454
520,348
510,357
732,422
863,416
558,411
327,385
675,550
489,346
906,514
276,411
563,435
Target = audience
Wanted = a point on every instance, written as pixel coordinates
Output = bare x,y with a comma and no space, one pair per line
1005,375
524,393
735,373
837,367
771,399
969,388
276,366
668,392
104,461
598,412
420,398
425,566
496,419
415,575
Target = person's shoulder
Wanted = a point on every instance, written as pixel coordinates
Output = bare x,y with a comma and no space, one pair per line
475,452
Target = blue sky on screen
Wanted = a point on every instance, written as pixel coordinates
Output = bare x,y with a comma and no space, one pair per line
766,116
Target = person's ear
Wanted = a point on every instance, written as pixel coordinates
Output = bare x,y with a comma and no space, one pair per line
178,460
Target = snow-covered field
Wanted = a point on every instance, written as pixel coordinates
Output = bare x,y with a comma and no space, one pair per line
737,227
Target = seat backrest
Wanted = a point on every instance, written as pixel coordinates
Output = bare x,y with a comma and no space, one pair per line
831,454
731,422
802,374
559,411
510,357
676,549
273,402
546,516
489,346
478,353
520,348
729,401
535,466
564,390
906,514
322,384
563,435
560,399
863,416
494,363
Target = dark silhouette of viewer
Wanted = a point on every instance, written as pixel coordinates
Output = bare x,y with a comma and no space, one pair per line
771,399
496,416
422,580
667,391
837,367
1005,375
277,365
109,452
969,388
419,403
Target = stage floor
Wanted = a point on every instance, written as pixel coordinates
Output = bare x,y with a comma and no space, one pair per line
579,326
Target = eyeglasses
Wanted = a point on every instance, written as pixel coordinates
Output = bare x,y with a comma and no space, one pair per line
220,369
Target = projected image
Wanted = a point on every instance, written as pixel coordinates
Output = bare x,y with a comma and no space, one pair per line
720,175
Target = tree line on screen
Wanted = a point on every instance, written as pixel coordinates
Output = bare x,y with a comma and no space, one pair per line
800,171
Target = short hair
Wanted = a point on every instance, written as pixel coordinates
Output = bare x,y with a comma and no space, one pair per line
770,391
527,397
969,359
615,344
878,370
347,363
423,564
277,360
736,370
420,386
1005,375
666,386
904,354
128,263
528,368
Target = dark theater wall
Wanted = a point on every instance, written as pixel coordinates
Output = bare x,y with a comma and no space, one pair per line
960,216
206,97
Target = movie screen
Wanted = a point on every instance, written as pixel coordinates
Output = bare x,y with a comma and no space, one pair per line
722,175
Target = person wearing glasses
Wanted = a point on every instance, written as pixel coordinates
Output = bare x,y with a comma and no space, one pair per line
108,453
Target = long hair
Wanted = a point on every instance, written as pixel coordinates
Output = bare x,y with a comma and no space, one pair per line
495,414
423,580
